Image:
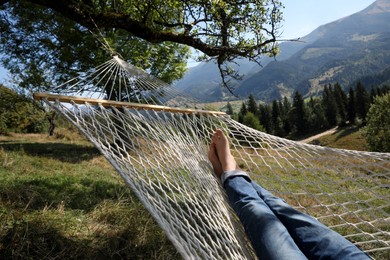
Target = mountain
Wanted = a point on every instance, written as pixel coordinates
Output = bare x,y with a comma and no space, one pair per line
204,80
348,49
352,48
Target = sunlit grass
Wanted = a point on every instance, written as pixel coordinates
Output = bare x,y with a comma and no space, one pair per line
347,192
349,138
59,198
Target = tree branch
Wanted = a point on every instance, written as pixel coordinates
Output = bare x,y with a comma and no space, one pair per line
85,15
220,31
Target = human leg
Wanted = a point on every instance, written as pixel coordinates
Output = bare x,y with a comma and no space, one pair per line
313,238
269,237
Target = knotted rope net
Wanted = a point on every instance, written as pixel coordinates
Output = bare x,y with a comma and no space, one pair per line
157,139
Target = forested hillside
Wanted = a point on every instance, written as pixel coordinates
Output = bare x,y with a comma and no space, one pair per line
302,117
352,49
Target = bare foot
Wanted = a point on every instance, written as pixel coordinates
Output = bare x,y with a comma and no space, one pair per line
213,157
219,149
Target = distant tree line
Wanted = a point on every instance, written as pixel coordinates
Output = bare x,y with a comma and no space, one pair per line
300,116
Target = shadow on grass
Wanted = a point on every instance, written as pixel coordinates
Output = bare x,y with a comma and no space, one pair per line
22,240
71,192
346,131
37,239
71,153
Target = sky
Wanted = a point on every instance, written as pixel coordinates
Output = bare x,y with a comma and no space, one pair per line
301,17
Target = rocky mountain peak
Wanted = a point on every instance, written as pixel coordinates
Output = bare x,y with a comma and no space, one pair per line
379,6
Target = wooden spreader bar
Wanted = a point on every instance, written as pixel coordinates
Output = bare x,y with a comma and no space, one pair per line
110,103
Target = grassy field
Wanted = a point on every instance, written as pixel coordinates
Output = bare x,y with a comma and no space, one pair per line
221,105
59,199
349,138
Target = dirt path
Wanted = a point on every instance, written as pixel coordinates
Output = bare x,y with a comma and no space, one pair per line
311,138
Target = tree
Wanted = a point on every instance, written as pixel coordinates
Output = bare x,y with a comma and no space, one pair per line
43,49
373,93
383,90
285,109
329,105
351,106
265,116
298,115
252,121
242,113
276,120
378,91
377,130
252,105
316,115
362,101
341,103
222,30
229,109
20,114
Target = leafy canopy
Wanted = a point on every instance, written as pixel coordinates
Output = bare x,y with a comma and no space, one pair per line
377,130
20,114
153,34
42,49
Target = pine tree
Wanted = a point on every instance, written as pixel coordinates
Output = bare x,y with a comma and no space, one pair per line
341,103
330,106
229,109
252,105
373,93
316,115
286,107
362,101
242,113
265,117
299,115
276,121
351,106
383,90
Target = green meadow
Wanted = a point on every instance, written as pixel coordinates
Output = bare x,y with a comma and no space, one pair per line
60,199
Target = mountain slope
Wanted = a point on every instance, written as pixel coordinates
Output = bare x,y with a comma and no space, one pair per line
345,50
204,81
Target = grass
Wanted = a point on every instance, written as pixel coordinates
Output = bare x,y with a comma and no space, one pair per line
349,138
348,192
59,198
221,105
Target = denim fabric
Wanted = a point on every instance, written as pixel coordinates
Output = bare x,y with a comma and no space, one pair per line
278,231
229,174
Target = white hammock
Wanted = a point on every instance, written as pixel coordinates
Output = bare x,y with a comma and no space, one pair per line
160,149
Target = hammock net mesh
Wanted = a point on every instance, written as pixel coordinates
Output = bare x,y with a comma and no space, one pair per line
160,149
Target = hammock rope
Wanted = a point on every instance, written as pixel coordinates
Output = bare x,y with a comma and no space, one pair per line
160,148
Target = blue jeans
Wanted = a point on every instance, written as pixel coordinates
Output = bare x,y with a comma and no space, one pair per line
278,231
